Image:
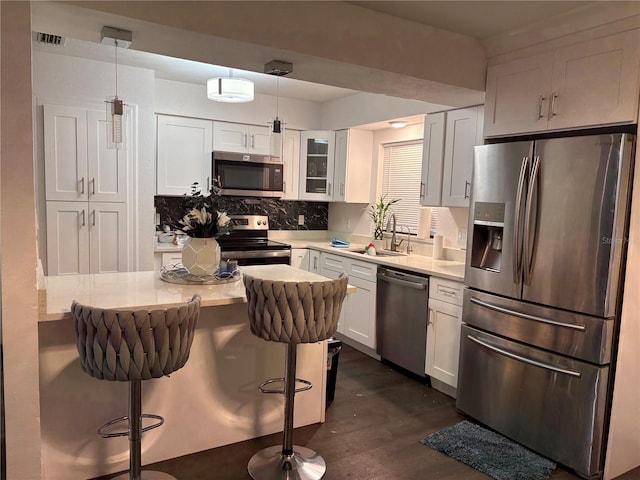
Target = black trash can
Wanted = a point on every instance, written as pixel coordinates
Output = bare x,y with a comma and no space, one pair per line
333,355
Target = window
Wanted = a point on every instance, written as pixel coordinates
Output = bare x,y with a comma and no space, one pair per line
401,173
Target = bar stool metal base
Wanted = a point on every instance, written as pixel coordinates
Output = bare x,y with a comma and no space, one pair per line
271,464
147,475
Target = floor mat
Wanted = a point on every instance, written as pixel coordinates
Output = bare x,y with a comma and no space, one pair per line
489,452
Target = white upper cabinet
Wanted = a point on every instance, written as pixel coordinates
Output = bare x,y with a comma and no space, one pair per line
587,84
517,94
78,164
463,132
353,165
317,150
291,164
241,138
432,158
447,156
107,168
184,154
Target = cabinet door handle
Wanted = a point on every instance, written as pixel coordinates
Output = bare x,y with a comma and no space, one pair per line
82,186
540,100
421,189
315,263
329,189
432,314
93,186
245,140
342,189
83,221
253,141
93,217
466,188
552,108
208,184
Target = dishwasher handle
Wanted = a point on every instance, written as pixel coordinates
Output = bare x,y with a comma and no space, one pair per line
405,283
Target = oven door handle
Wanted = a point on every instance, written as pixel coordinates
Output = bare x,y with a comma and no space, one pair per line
529,361
255,254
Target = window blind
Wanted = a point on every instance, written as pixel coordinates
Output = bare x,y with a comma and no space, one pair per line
401,179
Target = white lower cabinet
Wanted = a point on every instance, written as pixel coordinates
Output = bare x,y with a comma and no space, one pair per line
300,258
358,316
86,237
443,332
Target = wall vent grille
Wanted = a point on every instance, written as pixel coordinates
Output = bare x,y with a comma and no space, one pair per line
49,38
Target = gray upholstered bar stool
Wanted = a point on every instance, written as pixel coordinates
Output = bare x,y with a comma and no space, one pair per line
291,313
131,346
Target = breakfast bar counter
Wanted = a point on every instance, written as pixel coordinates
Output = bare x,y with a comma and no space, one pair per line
212,401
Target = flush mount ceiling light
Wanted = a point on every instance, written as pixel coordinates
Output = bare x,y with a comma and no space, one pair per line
398,124
230,89
115,105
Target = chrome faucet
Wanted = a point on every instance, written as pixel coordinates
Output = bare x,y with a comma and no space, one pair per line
409,246
394,245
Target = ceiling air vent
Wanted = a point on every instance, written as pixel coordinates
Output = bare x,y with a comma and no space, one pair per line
49,38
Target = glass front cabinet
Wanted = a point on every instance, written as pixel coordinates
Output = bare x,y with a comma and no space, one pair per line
316,165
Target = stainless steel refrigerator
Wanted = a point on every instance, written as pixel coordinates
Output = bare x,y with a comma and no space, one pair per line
548,224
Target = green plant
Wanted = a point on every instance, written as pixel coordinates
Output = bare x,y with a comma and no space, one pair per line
378,213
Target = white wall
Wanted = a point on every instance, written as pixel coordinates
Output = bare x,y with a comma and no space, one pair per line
18,252
365,108
76,81
189,100
359,222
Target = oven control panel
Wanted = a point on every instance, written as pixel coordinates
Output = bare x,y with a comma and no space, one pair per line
250,222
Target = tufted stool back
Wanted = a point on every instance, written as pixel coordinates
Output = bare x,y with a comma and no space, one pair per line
125,345
294,312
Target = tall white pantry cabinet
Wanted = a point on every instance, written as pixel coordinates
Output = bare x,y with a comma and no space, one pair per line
86,193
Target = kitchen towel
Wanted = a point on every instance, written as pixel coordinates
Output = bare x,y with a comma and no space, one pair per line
438,250
424,222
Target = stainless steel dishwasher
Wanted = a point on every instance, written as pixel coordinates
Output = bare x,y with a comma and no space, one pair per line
401,319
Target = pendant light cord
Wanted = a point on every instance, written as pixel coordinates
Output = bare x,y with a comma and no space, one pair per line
116,43
277,92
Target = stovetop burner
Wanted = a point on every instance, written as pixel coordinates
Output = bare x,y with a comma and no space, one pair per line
250,232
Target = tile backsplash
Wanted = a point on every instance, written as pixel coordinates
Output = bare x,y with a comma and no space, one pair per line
283,214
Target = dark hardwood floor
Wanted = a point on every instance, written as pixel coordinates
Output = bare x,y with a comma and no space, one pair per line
372,432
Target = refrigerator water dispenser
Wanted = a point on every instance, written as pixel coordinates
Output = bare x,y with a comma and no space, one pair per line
488,231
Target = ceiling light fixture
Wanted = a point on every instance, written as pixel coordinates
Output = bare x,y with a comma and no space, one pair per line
115,105
398,124
230,89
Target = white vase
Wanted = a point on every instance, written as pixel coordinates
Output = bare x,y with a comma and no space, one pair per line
201,256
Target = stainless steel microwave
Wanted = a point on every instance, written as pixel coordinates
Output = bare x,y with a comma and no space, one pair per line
248,175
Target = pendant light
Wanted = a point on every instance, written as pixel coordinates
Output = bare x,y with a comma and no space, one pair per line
115,105
230,89
279,69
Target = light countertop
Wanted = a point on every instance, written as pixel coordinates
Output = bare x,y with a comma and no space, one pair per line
449,269
145,290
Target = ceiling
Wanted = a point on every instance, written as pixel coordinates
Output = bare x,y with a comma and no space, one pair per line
478,19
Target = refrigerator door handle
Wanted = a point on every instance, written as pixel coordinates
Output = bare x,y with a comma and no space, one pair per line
527,260
517,242
526,360
526,316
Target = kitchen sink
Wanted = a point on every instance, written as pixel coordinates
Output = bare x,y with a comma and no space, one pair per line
382,253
